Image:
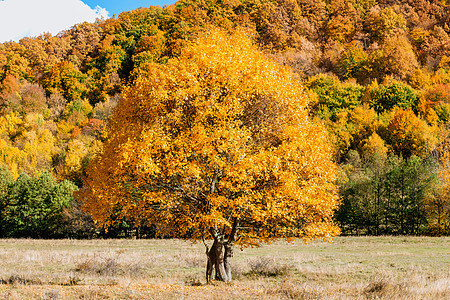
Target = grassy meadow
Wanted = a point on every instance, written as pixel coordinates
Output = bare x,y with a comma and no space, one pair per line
348,268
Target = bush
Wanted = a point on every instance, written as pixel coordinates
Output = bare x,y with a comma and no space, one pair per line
266,267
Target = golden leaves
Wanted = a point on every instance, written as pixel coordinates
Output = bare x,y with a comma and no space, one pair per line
220,133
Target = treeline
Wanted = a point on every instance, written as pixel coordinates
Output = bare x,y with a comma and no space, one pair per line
387,196
378,73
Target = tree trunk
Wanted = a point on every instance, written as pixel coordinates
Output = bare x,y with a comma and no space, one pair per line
220,254
227,259
219,262
210,266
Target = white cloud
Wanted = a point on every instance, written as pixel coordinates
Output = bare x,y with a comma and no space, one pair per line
19,18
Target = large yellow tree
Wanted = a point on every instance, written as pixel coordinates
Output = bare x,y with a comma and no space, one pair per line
216,145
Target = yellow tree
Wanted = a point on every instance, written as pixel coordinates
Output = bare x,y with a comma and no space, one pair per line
216,145
438,204
409,135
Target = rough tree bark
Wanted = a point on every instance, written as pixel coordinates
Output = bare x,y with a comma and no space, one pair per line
227,259
220,255
215,269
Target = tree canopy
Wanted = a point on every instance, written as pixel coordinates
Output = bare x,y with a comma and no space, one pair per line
217,144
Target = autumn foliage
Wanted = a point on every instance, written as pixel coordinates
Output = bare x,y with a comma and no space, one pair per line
217,144
377,75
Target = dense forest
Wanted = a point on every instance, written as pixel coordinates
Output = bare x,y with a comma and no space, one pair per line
377,74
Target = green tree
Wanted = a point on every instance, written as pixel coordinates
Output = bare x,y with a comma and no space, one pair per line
352,62
6,181
407,185
334,96
65,79
386,97
34,206
363,191
384,195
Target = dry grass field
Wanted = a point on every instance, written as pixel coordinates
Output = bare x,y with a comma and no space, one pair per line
349,268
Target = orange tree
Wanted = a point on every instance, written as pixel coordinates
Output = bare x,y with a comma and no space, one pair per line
216,145
437,205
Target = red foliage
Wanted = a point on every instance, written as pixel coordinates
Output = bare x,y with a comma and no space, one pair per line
94,127
76,132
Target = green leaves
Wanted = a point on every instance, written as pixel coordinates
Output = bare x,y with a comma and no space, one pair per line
334,96
385,195
33,207
386,97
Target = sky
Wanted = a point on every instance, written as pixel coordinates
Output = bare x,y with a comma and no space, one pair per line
118,6
20,18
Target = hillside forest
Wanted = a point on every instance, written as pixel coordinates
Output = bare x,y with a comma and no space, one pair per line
376,73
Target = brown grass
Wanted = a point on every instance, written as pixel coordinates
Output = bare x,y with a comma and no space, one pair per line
349,268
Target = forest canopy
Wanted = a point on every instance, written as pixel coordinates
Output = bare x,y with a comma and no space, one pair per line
376,74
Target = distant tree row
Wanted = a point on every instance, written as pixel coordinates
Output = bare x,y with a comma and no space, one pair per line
365,40
41,207
391,196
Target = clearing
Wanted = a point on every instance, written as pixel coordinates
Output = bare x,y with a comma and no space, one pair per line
349,268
